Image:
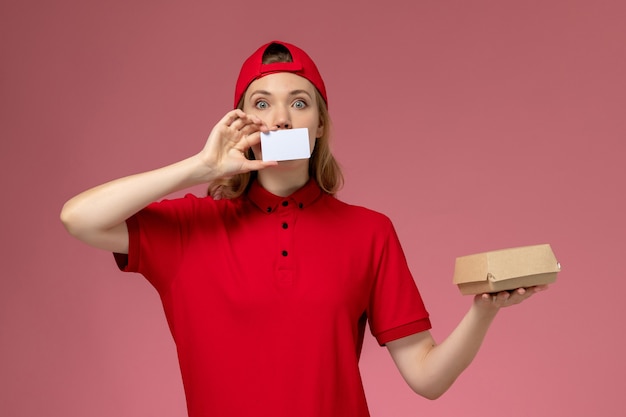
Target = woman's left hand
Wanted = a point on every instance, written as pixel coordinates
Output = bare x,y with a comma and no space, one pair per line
507,298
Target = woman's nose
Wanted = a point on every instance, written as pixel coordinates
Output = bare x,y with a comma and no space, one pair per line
282,119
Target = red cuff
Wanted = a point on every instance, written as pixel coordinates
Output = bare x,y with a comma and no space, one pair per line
128,263
403,331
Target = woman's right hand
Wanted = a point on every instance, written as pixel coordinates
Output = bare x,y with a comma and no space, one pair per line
224,154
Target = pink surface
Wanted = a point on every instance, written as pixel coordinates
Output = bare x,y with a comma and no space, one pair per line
473,125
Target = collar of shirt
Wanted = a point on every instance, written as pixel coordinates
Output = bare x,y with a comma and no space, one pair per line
269,202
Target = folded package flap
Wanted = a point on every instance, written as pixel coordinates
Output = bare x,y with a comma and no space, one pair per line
506,264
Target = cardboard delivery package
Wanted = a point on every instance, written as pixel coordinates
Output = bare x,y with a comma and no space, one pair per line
506,269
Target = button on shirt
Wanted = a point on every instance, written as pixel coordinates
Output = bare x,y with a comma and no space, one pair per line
267,297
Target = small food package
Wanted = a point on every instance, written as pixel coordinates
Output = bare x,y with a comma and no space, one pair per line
506,269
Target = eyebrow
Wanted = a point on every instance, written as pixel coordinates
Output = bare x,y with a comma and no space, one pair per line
291,93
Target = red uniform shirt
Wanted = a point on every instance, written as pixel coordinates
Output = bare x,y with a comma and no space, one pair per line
267,298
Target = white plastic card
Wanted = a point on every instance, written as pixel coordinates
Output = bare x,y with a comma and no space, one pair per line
285,145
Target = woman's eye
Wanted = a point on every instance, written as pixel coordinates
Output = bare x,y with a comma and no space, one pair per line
299,104
261,105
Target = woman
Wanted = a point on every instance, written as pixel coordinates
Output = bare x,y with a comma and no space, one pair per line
268,284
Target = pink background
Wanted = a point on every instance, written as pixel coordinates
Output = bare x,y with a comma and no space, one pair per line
474,125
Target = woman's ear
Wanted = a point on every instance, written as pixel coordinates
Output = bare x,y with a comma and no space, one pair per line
320,129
